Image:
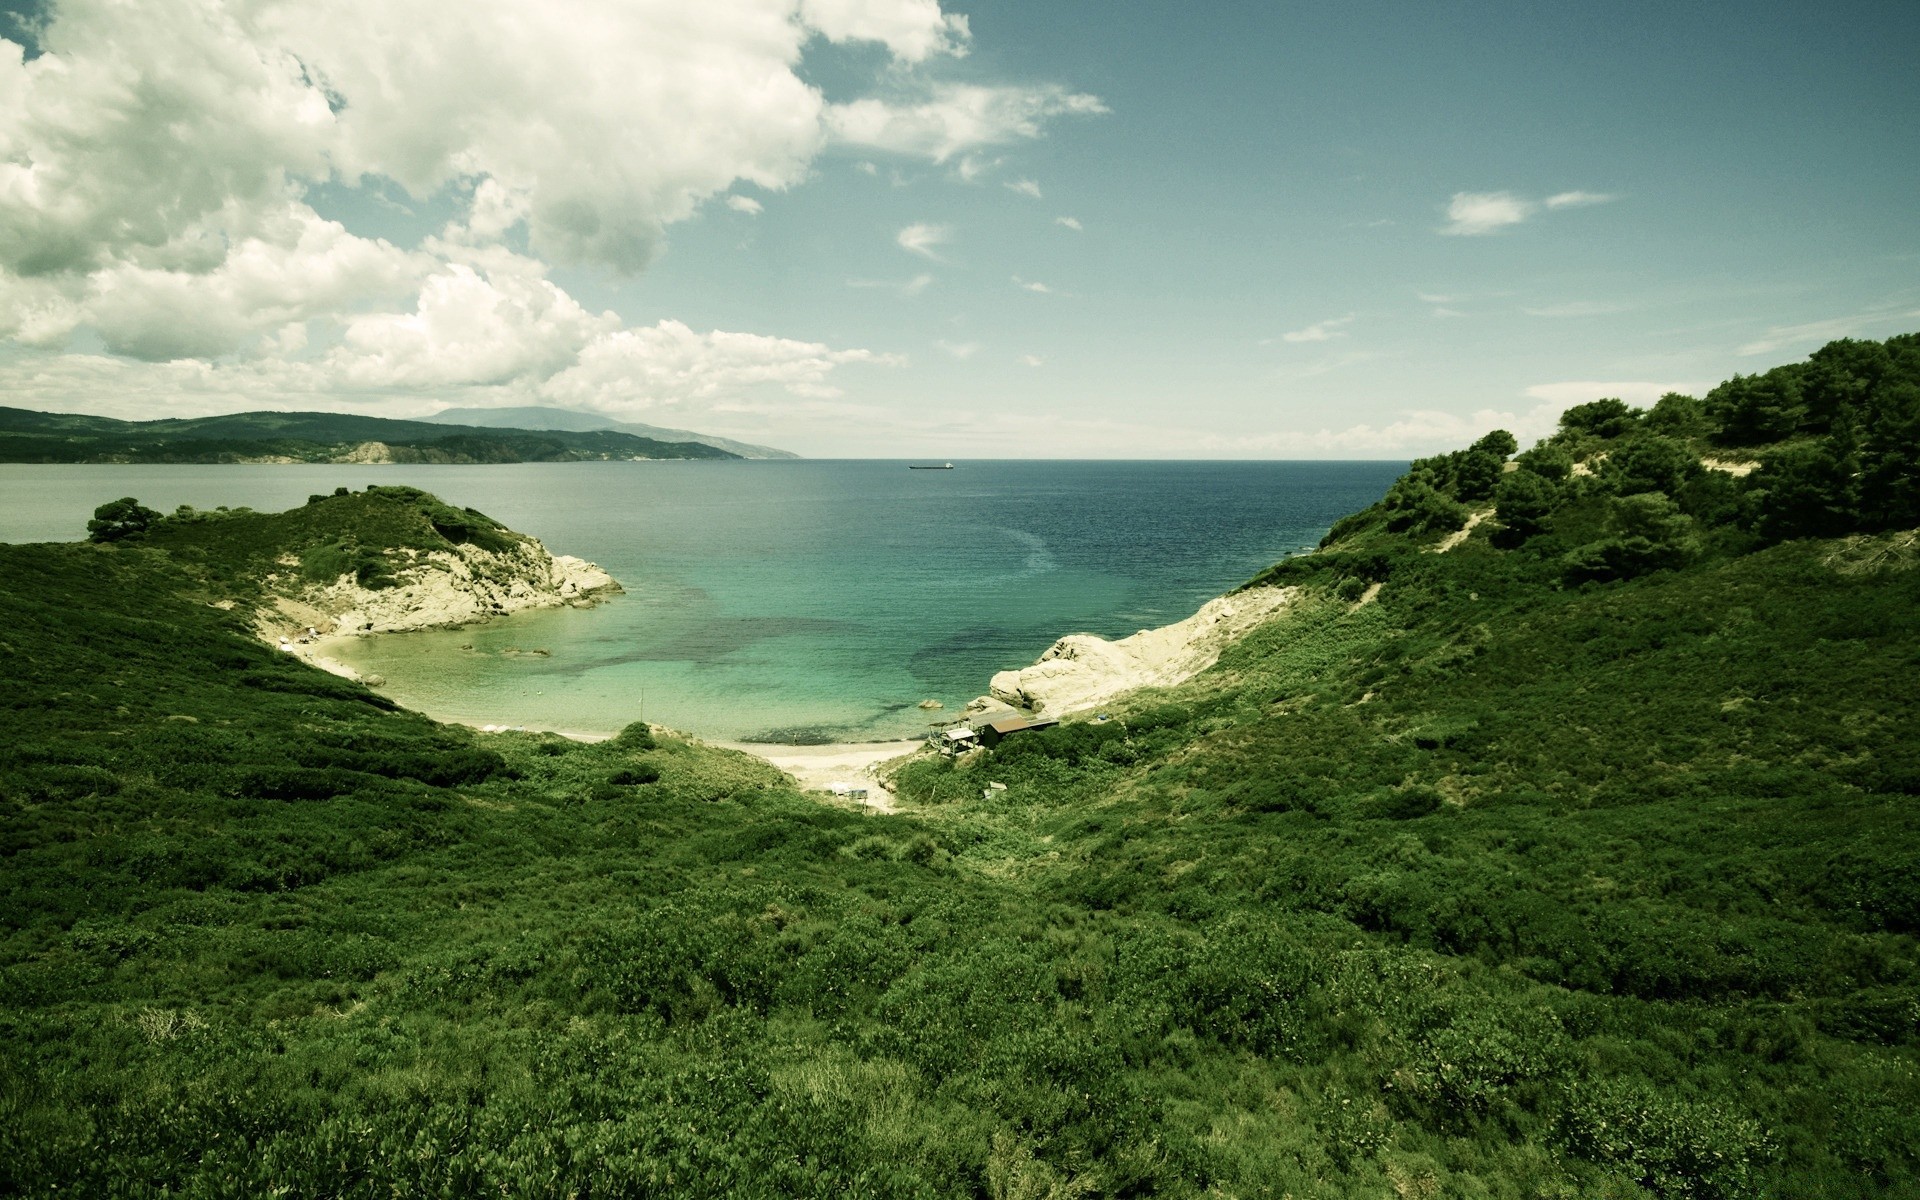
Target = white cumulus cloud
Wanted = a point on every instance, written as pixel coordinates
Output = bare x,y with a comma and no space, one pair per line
923,239
159,160
912,29
1072,223
633,370
953,118
1026,187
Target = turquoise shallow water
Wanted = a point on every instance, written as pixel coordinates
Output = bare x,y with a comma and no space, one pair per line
784,601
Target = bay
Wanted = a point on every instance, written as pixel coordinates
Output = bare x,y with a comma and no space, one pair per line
802,601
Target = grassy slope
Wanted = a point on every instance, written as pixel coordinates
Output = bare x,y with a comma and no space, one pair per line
1496,886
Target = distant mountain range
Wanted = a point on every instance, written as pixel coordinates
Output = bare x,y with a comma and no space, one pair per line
570,420
317,437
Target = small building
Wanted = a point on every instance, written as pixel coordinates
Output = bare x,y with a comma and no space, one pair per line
993,732
957,741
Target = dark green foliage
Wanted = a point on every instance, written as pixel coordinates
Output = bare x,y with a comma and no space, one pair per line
1751,410
1522,503
1548,461
1677,415
1416,505
1652,463
118,519
1645,532
1607,418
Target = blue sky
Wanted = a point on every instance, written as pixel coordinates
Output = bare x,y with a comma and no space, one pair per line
884,228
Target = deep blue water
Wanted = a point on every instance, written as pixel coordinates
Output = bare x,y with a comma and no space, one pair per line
789,600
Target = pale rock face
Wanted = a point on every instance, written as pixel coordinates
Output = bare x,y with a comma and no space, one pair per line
468,584
1082,671
437,588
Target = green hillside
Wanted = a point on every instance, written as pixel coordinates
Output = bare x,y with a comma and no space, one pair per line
27,436
543,417
1581,859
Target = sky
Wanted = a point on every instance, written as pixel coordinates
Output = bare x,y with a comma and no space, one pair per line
981,228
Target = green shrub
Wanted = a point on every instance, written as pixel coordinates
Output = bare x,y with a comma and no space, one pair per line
118,519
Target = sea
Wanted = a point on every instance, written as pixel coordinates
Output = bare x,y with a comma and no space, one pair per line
798,602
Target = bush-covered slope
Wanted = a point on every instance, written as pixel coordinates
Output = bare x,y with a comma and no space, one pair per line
1509,877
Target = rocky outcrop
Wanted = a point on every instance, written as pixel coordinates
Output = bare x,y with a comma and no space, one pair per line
1081,671
436,588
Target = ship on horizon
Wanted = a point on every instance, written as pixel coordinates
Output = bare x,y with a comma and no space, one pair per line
930,467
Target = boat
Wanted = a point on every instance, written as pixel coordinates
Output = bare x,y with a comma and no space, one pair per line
930,467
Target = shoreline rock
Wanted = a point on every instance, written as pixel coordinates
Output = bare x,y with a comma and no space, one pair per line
1082,671
437,589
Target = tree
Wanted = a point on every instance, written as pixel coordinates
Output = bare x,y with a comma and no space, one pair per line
1890,459
1477,469
118,519
1415,505
1646,532
1809,491
1522,503
1678,415
1651,463
1550,462
1751,410
1606,418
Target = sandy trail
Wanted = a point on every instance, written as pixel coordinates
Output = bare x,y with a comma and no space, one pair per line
819,767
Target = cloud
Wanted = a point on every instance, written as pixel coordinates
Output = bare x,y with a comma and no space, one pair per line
745,204
1033,285
296,267
620,372
1026,187
1781,337
470,327
1577,199
1072,223
913,30
910,287
1576,308
1320,331
156,158
1473,214
954,118
1032,360
633,370
960,350
922,238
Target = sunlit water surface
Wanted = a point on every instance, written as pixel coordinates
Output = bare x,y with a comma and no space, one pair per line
786,601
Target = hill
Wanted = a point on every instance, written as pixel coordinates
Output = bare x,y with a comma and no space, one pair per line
538,417
282,437
1558,840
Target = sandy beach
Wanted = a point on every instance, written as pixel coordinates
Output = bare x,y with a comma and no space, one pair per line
820,767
